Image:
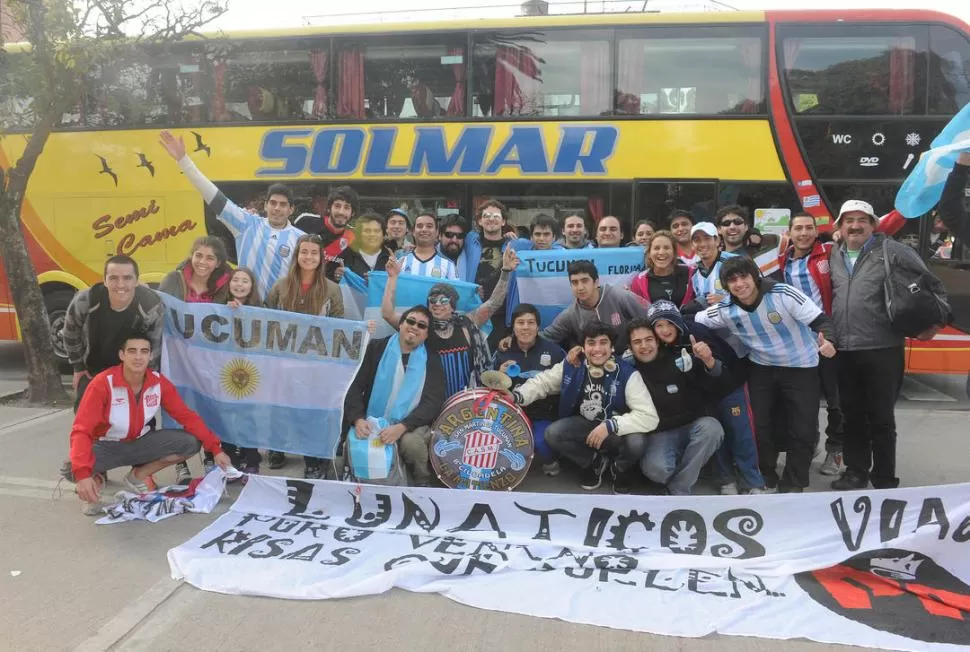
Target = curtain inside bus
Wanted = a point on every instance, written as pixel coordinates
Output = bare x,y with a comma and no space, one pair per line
350,97
457,104
517,75
594,83
318,61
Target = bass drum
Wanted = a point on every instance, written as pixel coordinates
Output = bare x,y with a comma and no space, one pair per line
481,440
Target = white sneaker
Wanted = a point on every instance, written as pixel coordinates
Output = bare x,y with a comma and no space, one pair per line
92,509
136,486
730,489
832,464
551,469
757,491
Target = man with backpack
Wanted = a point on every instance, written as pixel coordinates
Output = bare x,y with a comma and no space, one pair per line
870,343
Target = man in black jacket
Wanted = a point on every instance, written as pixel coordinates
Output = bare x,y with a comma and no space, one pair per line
681,387
413,430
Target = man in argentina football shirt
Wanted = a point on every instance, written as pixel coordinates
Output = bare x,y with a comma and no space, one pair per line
784,332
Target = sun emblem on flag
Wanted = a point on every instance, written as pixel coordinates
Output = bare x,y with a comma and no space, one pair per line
240,378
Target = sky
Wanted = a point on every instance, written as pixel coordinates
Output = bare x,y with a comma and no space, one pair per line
252,14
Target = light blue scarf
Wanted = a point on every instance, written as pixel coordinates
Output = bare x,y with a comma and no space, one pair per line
396,392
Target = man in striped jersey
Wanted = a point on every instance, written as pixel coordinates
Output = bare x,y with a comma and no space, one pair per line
805,265
424,259
265,246
785,333
706,282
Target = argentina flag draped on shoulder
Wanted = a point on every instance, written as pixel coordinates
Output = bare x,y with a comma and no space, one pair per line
263,378
542,280
924,186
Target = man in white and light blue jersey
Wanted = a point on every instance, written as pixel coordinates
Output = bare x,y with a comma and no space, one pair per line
784,333
707,282
265,246
425,259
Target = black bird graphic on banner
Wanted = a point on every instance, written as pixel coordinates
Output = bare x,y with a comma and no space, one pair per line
200,146
143,162
106,169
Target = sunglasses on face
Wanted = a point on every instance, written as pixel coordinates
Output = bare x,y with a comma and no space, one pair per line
454,235
439,301
735,222
420,325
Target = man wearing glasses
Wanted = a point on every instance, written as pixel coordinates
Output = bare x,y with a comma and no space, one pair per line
738,238
400,382
451,242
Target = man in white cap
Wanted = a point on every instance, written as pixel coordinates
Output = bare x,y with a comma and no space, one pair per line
706,281
871,353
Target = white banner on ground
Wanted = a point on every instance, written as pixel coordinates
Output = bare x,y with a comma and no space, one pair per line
881,568
199,497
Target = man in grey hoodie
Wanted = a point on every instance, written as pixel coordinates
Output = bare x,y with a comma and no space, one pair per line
611,305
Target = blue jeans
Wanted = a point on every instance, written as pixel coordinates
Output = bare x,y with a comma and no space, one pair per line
675,457
543,452
740,447
567,437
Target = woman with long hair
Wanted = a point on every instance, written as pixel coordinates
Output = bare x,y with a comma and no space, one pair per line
663,277
203,277
306,289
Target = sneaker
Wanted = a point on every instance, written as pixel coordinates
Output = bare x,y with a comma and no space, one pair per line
622,480
832,464
850,481
592,476
136,486
92,509
277,460
182,473
759,491
313,472
551,469
67,471
730,489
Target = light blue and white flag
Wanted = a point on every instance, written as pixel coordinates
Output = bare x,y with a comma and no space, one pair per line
543,282
354,290
924,186
411,291
263,378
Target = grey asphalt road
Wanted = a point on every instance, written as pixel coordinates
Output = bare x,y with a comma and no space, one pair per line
67,584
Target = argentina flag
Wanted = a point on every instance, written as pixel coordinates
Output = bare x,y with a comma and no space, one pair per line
263,378
411,291
542,280
923,187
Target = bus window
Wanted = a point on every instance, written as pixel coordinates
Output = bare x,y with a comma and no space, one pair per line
855,69
561,73
697,71
286,81
525,201
656,199
770,205
949,70
420,77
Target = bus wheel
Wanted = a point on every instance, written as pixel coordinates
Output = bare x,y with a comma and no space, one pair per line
56,303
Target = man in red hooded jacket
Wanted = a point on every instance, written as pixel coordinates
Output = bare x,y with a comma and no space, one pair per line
113,428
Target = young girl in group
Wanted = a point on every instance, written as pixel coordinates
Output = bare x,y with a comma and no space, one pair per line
306,289
242,292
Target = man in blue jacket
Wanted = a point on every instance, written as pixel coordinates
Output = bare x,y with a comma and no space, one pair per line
605,411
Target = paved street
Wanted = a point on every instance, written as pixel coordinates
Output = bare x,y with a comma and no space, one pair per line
66,583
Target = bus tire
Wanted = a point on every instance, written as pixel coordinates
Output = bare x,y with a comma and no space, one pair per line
56,303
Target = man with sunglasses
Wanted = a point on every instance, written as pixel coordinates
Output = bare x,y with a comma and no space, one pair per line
451,241
738,238
400,382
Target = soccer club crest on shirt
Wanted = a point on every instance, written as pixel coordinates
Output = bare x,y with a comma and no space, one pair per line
481,441
545,360
284,251
436,273
616,319
774,317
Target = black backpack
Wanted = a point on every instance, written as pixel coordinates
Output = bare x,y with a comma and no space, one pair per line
915,298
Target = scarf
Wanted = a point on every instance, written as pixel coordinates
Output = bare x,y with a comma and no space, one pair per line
397,391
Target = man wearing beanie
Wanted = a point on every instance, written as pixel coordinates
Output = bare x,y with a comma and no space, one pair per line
681,386
736,461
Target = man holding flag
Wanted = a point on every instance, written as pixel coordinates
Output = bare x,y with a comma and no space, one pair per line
399,382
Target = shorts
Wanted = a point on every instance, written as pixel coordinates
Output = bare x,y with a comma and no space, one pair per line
150,447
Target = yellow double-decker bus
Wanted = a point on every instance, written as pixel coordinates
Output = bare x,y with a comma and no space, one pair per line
625,115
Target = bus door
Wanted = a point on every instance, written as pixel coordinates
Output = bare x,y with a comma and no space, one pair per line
655,199
8,326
